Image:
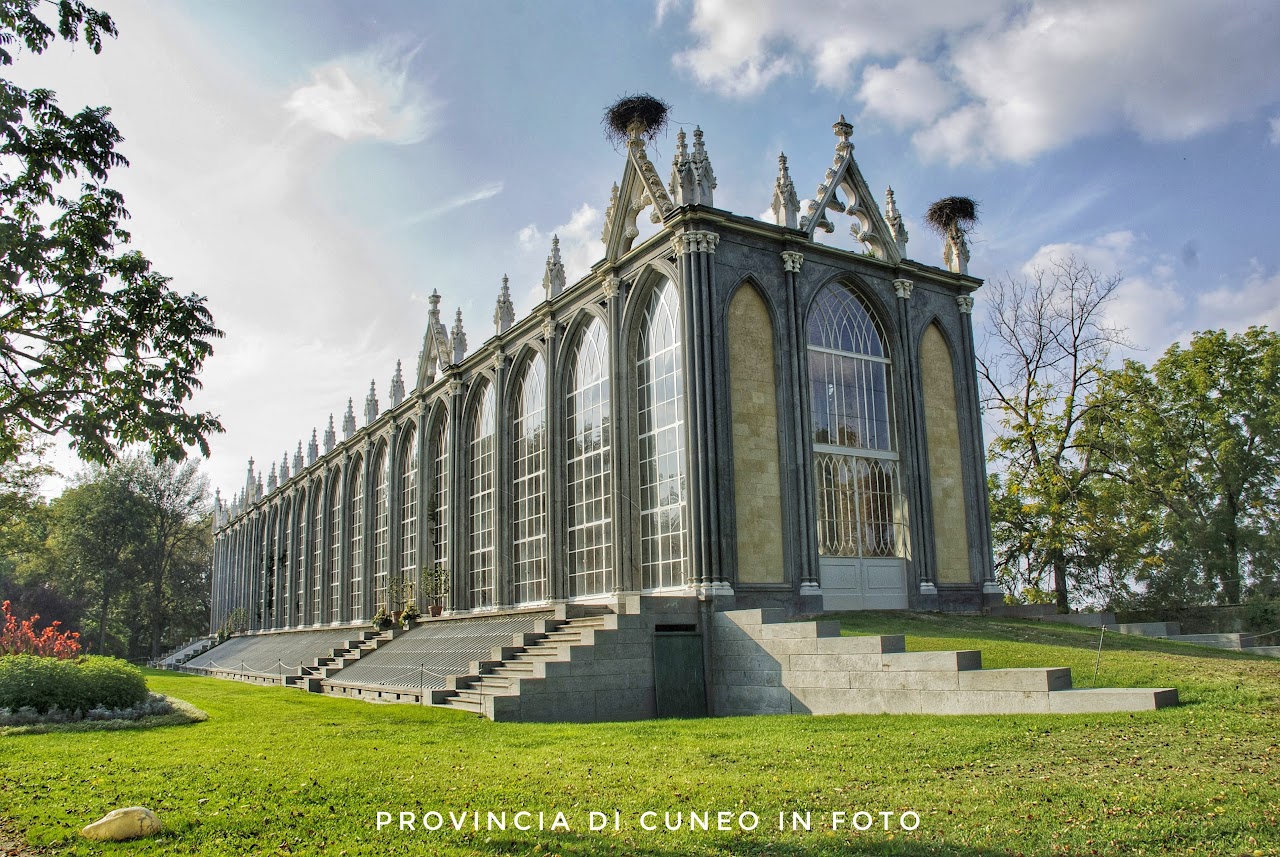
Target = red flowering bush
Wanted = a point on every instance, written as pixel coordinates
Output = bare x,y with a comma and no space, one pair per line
21,638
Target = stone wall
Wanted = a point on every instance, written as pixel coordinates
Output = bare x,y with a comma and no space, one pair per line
756,478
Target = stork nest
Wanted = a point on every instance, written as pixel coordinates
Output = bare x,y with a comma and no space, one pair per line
642,111
952,212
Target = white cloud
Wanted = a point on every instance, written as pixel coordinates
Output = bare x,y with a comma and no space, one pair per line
907,94
1003,79
1153,306
479,195
365,96
1275,131
580,248
1236,306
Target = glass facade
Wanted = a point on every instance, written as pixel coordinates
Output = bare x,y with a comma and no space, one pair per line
660,383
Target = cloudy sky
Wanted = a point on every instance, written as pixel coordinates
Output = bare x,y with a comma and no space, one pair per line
317,168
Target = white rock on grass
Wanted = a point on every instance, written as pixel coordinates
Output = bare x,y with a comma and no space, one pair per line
128,823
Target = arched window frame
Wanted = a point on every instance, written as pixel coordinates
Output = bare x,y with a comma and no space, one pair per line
407,468
318,571
589,458
661,439
355,518
381,528
335,547
529,484
855,457
480,524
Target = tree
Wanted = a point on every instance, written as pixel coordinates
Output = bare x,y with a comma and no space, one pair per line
125,558
1047,346
1196,447
93,342
176,550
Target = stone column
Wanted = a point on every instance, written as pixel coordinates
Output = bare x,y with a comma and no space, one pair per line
975,474
344,538
459,500
425,549
619,445
503,585
797,457
393,515
557,521
920,509
694,253
366,533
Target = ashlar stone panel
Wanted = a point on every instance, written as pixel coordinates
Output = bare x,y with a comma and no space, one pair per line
946,478
756,473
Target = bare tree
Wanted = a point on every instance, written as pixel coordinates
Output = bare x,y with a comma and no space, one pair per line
1046,353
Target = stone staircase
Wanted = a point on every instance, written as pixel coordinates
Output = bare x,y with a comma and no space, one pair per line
551,648
764,665
185,652
311,675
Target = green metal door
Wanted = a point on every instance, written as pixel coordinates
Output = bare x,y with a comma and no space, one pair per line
678,678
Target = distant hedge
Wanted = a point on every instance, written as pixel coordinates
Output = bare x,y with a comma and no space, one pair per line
81,684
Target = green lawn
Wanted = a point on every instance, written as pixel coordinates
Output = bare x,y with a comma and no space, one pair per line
276,771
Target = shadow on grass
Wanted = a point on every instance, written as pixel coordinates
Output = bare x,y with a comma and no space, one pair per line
1010,630
685,843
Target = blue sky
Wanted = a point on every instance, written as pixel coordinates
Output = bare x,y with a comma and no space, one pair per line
317,168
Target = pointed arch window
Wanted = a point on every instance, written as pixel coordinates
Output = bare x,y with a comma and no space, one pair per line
318,572
855,453
272,579
408,470
660,381
480,571
440,494
381,529
528,490
335,548
355,515
590,488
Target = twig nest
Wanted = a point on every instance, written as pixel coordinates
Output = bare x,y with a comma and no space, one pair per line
952,213
131,822
643,113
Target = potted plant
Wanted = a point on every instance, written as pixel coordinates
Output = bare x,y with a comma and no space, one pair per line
409,615
437,581
381,620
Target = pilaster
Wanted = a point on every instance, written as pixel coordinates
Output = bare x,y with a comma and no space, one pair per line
810,585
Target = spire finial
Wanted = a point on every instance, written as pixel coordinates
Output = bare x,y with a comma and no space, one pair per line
459,337
894,220
284,467
844,131
298,460
272,480
371,408
785,205
349,420
553,281
313,447
330,437
504,314
397,387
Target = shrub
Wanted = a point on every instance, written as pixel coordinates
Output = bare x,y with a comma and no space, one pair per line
79,685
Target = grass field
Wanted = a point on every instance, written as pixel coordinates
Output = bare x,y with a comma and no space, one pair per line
276,771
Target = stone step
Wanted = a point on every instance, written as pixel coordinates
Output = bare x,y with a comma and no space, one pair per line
1024,679
870,645
1106,699
463,705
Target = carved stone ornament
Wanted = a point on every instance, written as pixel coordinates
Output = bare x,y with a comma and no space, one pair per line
869,225
965,303
454,386
792,260
697,241
903,288
611,286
